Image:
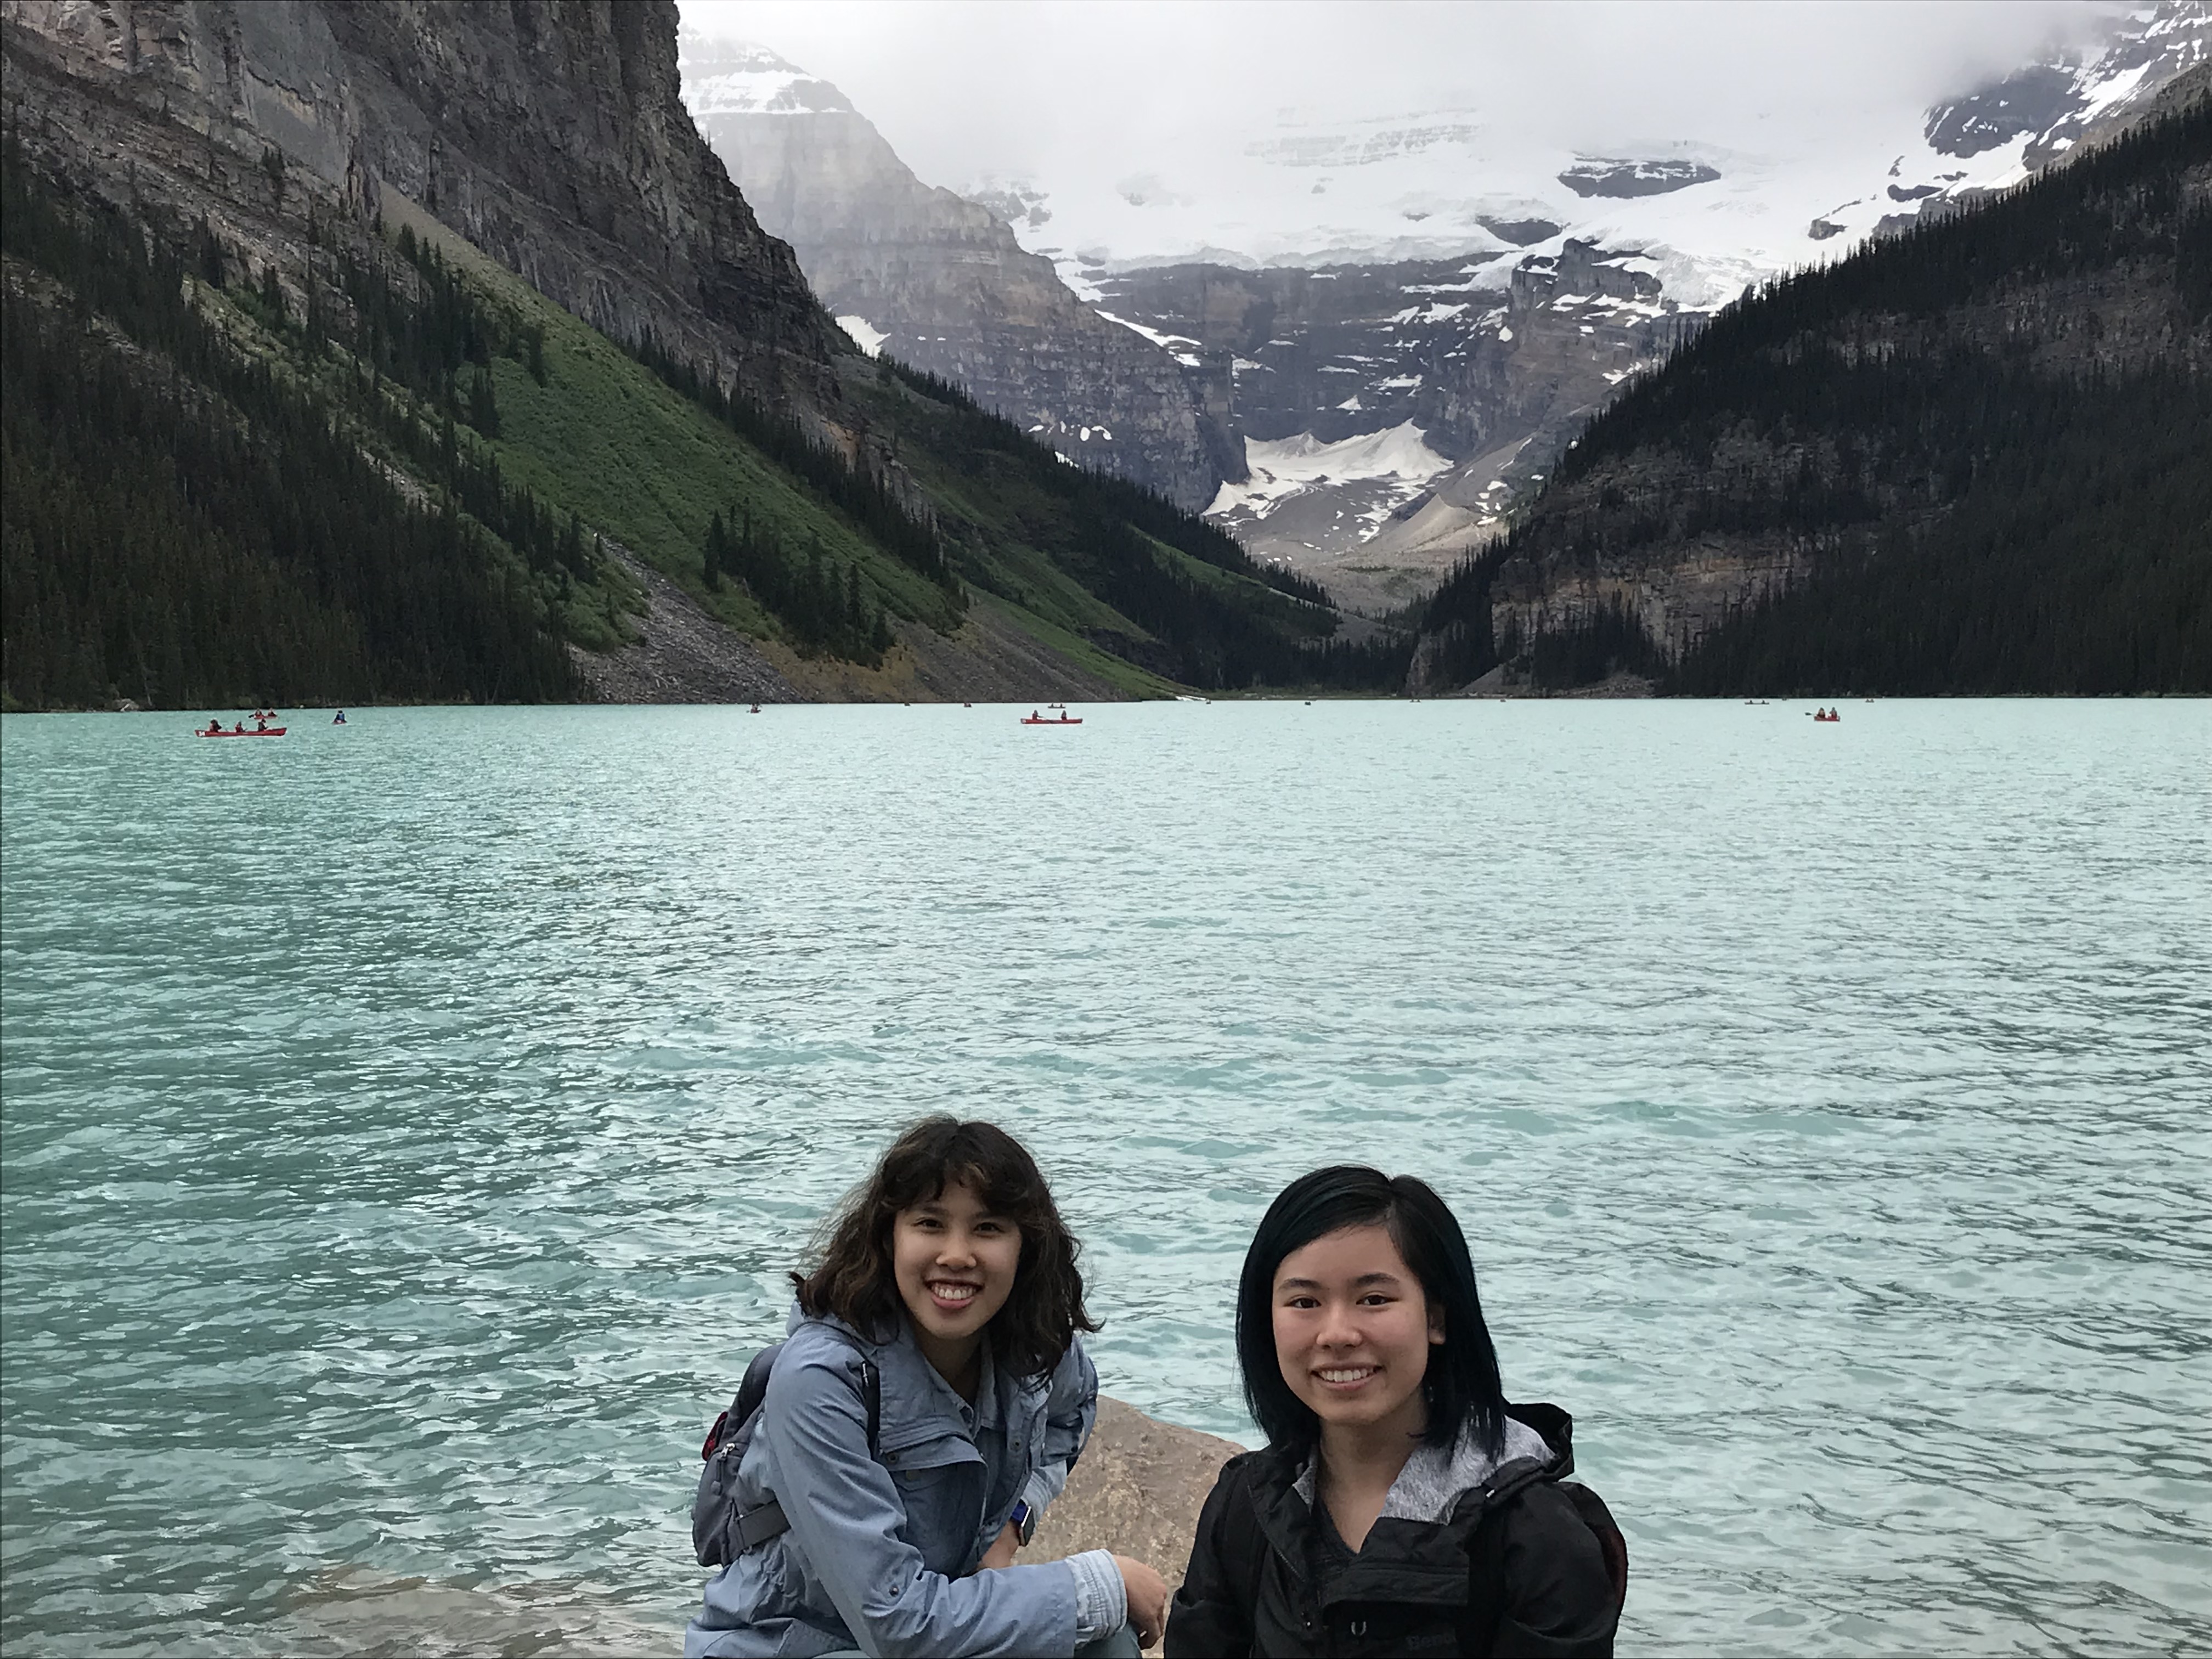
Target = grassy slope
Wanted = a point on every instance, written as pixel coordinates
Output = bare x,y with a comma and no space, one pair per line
606,438
997,501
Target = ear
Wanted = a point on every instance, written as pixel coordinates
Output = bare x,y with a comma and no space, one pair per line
1436,1326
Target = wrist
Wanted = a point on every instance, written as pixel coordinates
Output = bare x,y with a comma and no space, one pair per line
1022,1520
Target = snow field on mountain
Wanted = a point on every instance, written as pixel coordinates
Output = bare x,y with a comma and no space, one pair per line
1181,346
1396,463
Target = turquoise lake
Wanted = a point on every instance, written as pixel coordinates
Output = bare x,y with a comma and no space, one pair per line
407,1126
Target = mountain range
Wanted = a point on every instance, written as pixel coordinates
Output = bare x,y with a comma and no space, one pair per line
944,283
427,350
1970,457
1396,324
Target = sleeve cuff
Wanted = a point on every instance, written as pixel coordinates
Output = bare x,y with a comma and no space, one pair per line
1040,1491
1101,1601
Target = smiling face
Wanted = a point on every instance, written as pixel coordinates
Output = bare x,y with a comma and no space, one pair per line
1353,1330
954,1262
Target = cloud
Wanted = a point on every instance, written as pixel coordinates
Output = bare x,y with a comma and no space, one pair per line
1113,89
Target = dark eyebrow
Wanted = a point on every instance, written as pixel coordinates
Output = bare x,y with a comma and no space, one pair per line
937,1206
1312,1284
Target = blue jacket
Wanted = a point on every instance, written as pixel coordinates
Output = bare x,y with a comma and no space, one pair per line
882,1552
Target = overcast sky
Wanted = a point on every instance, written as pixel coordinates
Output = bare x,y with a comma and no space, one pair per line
1051,87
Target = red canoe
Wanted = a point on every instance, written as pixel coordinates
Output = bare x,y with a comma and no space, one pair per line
266,731
1063,721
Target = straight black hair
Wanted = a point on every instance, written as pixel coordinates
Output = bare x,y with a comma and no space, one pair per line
1462,1385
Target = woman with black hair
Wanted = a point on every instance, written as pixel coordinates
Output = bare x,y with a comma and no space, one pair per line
1400,1506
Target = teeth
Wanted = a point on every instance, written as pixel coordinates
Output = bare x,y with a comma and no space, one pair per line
1353,1376
954,1293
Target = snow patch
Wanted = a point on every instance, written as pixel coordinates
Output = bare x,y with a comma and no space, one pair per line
1159,338
868,338
736,77
1397,464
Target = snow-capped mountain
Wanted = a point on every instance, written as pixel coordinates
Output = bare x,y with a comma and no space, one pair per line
1997,134
1361,339
942,283
1419,310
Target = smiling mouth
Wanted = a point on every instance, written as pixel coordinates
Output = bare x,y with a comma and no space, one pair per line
951,1293
1347,1376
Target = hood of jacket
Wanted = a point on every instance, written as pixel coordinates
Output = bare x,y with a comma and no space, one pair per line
1448,1490
1436,1478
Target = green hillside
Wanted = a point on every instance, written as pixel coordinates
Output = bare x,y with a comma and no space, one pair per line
396,477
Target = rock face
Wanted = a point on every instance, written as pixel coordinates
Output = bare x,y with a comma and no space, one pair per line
1620,178
1492,366
942,283
1137,1492
552,137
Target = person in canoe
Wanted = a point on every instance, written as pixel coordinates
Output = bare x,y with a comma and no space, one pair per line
340,719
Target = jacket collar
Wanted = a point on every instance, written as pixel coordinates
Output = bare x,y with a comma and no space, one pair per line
1434,1486
918,1404
1435,1478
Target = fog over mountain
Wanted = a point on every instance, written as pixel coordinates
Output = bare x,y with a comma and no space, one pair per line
1177,106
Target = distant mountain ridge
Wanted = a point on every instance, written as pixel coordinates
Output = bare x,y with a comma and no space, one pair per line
1495,358
1424,312
944,283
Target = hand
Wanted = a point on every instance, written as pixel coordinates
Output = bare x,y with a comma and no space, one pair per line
1148,1600
1001,1552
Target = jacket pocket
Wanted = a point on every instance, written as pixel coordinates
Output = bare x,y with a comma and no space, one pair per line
940,1486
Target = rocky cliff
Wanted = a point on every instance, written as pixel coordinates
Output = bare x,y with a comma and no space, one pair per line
942,283
1487,368
551,138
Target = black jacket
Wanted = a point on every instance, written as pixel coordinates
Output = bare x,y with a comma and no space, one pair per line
1520,1564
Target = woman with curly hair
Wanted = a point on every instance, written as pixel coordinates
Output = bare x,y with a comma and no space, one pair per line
927,1405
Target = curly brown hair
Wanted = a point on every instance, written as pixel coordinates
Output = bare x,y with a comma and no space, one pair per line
854,1279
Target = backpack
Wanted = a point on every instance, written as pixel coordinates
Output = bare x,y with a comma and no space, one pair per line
720,1531
1485,1569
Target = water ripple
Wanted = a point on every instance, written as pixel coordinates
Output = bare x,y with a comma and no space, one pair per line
407,1127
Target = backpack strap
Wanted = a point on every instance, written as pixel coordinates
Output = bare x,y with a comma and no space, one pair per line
1486,1584
756,1527
1485,1552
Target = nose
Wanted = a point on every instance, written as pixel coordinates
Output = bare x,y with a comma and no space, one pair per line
1337,1329
956,1251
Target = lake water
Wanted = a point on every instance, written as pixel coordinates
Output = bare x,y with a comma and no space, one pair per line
407,1124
